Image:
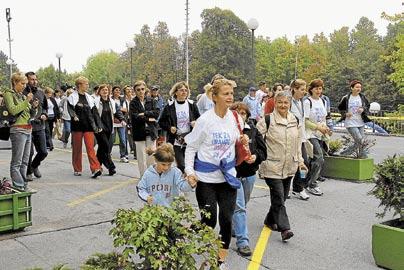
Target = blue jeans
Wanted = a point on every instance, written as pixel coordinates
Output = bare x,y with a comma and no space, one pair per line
20,150
316,163
66,130
357,134
123,149
240,213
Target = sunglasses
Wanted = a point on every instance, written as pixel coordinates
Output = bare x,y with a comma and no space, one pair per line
140,89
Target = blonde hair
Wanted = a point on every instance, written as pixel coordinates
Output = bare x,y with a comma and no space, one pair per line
80,80
18,77
164,153
177,86
139,83
48,90
218,83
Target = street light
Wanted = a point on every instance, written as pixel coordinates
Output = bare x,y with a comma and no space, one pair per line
252,25
58,56
130,45
374,109
8,19
10,62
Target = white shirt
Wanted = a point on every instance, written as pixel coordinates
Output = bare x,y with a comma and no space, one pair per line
297,110
317,114
204,104
259,95
50,108
212,139
183,124
354,104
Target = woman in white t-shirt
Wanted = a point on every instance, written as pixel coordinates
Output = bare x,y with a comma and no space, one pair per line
317,132
210,158
354,109
178,118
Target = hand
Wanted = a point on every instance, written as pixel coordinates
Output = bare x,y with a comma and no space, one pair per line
43,117
141,114
192,180
348,115
152,120
193,123
149,200
251,159
123,123
124,109
244,139
302,166
360,110
173,130
76,118
30,96
323,129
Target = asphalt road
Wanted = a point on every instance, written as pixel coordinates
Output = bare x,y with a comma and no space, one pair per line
71,219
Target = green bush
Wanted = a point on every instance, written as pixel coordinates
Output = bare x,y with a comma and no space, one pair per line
334,146
110,261
165,237
389,188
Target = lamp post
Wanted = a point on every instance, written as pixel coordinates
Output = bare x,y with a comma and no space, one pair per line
297,54
374,109
130,45
8,18
252,25
9,62
59,56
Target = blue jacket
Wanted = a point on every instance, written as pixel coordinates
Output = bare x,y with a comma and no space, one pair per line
163,188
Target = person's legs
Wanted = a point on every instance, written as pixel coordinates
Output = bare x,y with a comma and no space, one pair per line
123,149
180,157
18,144
141,156
51,122
316,164
207,201
89,143
66,131
277,213
150,158
25,157
77,151
240,218
39,141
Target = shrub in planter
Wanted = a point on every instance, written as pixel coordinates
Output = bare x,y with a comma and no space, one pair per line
165,237
110,261
388,237
334,146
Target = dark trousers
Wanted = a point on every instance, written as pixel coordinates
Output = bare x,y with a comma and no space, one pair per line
49,131
209,196
180,157
103,153
39,142
298,183
279,189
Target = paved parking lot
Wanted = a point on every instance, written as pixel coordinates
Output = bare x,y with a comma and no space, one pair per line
71,220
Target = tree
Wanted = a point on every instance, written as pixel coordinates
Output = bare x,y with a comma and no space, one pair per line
223,47
5,71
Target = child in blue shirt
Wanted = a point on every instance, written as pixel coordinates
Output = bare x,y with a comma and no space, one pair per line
161,183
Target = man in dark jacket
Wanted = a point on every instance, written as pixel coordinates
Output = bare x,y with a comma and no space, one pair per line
38,127
144,113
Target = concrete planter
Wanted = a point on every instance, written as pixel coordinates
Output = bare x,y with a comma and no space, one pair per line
348,168
388,245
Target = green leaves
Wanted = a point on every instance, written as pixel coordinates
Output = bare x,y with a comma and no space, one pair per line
167,237
389,188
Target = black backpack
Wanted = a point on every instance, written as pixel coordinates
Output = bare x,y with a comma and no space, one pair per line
6,120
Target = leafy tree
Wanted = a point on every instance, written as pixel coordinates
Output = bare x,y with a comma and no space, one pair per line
5,71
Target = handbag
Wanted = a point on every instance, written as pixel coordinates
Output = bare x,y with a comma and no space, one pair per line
6,120
242,151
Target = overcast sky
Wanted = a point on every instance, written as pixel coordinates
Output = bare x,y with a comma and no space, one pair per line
80,28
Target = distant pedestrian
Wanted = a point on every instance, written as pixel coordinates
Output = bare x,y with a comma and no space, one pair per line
82,110
354,109
253,105
144,113
53,116
119,129
65,117
161,182
270,104
178,119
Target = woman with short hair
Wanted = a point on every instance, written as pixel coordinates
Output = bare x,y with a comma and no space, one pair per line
178,118
144,112
20,131
82,110
282,136
53,116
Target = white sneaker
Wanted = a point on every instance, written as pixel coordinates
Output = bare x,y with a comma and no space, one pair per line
124,160
301,195
315,191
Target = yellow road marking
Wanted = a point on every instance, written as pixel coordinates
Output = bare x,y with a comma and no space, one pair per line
259,249
100,193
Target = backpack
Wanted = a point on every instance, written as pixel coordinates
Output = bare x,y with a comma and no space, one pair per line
6,120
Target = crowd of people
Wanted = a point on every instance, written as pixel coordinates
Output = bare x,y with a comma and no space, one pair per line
219,146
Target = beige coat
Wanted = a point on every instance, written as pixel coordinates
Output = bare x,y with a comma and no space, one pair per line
283,146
